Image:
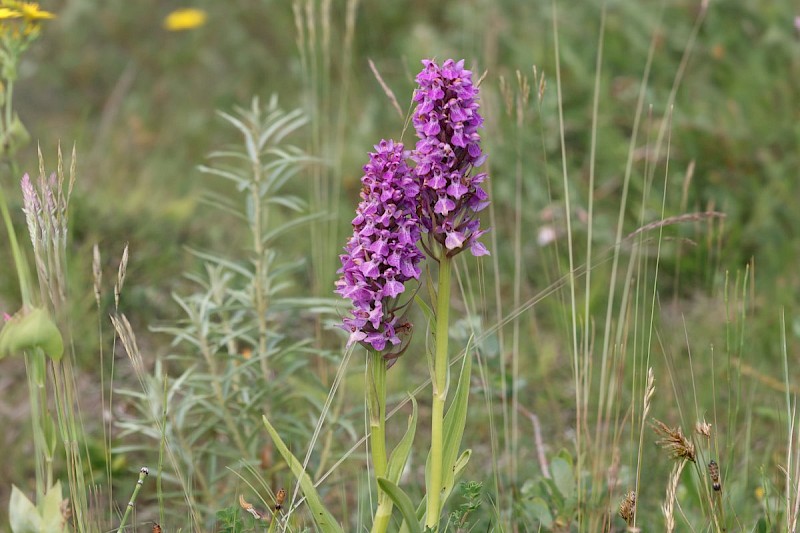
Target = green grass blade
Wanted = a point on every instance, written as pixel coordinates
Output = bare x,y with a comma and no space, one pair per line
322,517
402,502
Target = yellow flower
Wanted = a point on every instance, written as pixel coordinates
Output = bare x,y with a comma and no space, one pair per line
31,11
6,13
185,19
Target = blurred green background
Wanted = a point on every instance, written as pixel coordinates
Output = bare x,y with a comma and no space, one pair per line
138,101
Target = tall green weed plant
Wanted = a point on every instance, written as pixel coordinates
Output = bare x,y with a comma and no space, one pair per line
241,349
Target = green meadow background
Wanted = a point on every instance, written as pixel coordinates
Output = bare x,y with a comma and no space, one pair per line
676,154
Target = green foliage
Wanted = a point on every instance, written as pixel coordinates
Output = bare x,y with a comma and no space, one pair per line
401,453
551,502
48,516
322,517
455,421
403,502
240,358
472,493
229,520
29,331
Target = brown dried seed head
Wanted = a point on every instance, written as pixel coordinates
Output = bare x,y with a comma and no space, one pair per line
627,507
703,428
673,441
244,504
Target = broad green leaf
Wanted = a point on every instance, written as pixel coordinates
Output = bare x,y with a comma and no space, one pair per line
34,329
324,519
23,516
539,511
399,456
50,510
563,477
402,502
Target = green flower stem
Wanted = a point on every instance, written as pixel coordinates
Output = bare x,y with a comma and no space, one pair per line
440,368
376,402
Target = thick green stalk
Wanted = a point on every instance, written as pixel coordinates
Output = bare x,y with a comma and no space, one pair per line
376,402
440,369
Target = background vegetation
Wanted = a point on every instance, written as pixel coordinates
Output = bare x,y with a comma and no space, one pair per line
711,300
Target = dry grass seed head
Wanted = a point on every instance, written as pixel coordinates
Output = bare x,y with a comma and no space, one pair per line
703,428
627,507
673,441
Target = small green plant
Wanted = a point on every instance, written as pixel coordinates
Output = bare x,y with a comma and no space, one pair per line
237,353
551,502
472,493
49,515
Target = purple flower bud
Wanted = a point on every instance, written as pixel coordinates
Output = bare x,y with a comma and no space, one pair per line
382,253
446,120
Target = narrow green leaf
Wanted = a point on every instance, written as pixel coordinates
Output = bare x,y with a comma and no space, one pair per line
455,420
324,519
402,502
426,310
420,515
399,456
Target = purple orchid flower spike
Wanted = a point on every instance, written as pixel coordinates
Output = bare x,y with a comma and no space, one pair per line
446,120
382,253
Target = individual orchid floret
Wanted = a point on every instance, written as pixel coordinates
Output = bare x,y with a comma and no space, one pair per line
446,120
382,253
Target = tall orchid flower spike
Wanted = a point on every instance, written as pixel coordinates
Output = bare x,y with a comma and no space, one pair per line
382,253
448,151
446,120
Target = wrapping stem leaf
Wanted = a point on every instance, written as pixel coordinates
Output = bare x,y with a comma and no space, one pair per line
322,517
34,329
